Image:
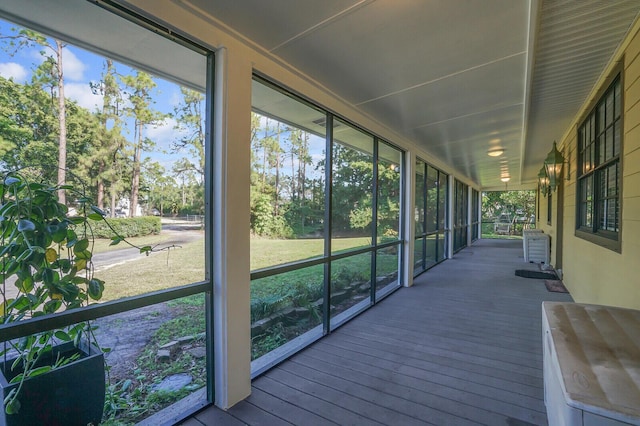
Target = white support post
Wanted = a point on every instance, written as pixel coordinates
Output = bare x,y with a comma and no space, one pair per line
409,219
470,219
231,245
450,202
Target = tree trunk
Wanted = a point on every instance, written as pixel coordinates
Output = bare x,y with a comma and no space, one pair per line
62,122
100,189
135,182
112,213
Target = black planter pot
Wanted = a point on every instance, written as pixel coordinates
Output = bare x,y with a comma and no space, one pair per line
69,395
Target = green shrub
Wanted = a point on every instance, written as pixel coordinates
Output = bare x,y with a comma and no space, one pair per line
128,227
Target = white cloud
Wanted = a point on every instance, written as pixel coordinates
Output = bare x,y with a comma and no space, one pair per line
82,94
164,133
73,67
175,98
13,70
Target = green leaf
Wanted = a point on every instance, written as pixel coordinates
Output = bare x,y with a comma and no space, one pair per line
62,336
25,225
146,250
77,220
95,216
11,180
3,306
25,284
58,232
85,254
48,275
96,287
11,406
81,245
40,370
98,211
52,306
116,240
24,255
20,303
79,280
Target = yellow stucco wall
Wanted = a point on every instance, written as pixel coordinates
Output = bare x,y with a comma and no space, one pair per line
594,274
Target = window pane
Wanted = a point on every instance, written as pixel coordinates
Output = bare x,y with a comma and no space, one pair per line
588,196
618,100
612,181
419,213
352,188
602,214
602,143
350,287
431,253
284,307
443,189
609,109
432,199
287,178
442,254
616,139
135,147
157,358
387,267
609,149
418,256
389,166
612,207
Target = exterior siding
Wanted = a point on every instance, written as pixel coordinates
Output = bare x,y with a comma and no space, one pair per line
592,273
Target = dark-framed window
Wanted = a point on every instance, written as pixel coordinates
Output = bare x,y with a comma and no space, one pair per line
431,195
460,215
475,214
326,196
600,170
96,118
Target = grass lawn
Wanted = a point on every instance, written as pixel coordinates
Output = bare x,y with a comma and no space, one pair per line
185,265
267,252
165,269
103,245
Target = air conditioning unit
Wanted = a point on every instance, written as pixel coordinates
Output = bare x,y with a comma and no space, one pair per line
537,247
591,364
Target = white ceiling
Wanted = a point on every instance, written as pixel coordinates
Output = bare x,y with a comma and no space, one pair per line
457,77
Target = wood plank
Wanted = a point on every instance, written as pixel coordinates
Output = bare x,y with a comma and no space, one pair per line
254,415
348,398
461,369
378,392
285,409
441,375
444,410
310,402
215,416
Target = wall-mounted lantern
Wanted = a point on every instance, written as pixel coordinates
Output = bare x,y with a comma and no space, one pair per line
543,181
553,167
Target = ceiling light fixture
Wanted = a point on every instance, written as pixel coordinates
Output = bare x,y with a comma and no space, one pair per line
496,152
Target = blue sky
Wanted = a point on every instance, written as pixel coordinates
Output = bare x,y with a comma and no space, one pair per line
82,67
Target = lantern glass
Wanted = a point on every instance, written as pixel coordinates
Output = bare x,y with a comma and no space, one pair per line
553,167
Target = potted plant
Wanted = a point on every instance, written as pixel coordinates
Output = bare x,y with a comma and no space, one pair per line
46,267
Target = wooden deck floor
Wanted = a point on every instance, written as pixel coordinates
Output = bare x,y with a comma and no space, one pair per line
460,347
